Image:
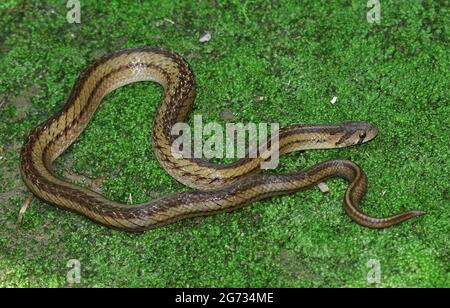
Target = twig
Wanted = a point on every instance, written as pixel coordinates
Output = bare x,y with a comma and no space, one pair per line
2,101
169,21
23,209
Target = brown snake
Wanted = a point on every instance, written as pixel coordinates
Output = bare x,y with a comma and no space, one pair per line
220,187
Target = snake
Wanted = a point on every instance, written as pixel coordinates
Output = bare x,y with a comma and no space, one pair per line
214,187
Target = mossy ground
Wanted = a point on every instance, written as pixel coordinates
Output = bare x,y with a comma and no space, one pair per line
296,57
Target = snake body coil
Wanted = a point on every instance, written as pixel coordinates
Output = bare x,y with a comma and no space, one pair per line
220,187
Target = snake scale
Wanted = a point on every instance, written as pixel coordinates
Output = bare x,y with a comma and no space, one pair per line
217,187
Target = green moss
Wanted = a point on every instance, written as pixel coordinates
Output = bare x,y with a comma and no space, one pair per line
297,57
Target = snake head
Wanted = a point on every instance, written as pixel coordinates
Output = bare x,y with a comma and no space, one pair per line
356,133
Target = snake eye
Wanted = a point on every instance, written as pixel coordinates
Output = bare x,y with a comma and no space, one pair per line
362,135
